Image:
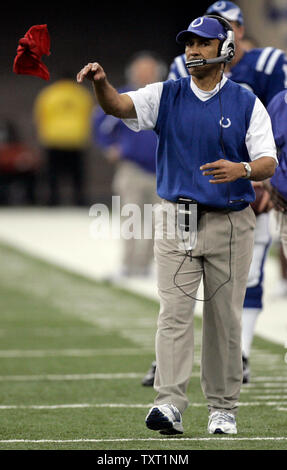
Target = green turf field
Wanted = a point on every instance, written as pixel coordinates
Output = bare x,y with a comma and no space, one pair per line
72,356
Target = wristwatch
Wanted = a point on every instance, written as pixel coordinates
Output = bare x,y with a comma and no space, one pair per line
247,169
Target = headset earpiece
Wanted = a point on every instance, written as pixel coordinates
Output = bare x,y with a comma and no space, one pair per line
227,47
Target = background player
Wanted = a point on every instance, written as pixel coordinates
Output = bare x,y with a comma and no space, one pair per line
278,112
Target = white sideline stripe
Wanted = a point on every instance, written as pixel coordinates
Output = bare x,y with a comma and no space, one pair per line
148,439
72,352
280,408
120,405
23,378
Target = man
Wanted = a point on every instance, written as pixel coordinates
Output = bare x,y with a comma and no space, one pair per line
278,112
133,155
209,128
262,71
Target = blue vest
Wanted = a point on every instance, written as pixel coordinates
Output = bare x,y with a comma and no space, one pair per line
190,134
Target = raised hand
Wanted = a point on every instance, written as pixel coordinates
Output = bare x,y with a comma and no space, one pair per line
92,71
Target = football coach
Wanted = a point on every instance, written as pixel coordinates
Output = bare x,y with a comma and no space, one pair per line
214,136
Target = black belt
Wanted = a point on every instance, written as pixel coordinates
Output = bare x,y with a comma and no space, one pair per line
203,208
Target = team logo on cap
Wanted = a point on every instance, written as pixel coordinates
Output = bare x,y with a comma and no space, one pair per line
197,22
219,6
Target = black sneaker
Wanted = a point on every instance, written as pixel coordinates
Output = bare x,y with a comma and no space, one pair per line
148,379
246,370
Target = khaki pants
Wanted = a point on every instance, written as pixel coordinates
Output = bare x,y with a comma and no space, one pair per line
222,258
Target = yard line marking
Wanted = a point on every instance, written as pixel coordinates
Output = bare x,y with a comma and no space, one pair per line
259,403
178,439
261,386
51,377
57,331
277,389
72,352
271,397
274,379
267,385
280,408
119,405
74,405
55,377
100,376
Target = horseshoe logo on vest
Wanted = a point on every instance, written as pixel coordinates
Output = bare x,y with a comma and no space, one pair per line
225,122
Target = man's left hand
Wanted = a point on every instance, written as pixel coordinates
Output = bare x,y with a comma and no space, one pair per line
223,171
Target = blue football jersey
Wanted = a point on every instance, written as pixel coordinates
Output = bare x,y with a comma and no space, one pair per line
277,110
263,71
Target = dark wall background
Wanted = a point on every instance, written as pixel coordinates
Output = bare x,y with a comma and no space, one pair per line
82,32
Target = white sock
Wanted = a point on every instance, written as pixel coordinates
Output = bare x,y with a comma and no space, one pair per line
249,318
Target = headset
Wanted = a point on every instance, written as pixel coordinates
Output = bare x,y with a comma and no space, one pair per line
226,50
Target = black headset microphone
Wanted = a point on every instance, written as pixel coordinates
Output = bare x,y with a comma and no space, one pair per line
217,60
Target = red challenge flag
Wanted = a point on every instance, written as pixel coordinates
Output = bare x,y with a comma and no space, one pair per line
30,50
